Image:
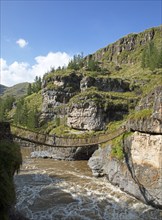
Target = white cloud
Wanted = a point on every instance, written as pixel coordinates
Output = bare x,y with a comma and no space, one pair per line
18,72
22,43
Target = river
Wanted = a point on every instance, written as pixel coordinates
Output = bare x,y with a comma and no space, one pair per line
50,189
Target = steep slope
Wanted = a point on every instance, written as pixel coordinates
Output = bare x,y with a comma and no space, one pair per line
17,90
2,89
119,72
127,50
138,171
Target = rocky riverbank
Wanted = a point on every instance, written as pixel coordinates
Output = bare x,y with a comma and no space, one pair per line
139,172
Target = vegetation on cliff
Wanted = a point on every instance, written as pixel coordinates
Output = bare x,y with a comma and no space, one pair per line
117,148
27,111
10,161
151,57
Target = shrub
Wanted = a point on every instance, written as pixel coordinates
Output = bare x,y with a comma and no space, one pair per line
10,161
117,148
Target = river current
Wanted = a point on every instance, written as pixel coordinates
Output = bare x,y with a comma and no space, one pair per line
50,189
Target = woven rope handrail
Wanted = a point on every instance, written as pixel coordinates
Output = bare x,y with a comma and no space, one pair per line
56,141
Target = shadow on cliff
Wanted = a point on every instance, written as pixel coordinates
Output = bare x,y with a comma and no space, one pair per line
147,197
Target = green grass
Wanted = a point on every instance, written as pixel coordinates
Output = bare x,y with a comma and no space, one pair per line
60,73
137,115
65,131
105,100
114,125
117,148
34,101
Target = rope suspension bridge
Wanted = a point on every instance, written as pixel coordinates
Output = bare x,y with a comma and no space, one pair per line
56,141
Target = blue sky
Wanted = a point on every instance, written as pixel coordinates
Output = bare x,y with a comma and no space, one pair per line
36,35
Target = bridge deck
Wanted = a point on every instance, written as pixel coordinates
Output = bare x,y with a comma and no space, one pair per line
55,141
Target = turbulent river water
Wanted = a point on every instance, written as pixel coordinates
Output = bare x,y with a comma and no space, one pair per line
66,190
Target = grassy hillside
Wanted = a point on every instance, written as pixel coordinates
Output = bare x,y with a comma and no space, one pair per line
120,60
2,89
17,90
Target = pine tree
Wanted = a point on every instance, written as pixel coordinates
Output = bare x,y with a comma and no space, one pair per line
93,65
32,118
29,90
151,57
2,110
36,86
6,105
24,119
18,113
160,59
77,62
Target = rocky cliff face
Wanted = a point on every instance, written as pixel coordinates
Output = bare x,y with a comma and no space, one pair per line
151,123
57,91
86,116
118,52
105,84
86,111
140,172
60,86
92,111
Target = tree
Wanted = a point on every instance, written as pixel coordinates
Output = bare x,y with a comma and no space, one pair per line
33,117
34,87
6,105
93,65
26,116
2,110
77,62
29,90
151,57
160,59
24,119
37,84
21,114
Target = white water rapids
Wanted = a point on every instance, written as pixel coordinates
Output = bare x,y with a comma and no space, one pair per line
65,190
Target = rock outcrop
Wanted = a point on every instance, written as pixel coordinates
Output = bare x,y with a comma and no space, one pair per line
86,117
140,171
92,111
151,123
105,84
67,153
118,52
83,112
57,91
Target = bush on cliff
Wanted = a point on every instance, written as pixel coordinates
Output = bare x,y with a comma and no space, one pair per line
10,161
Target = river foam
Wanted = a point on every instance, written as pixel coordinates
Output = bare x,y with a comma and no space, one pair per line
65,190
